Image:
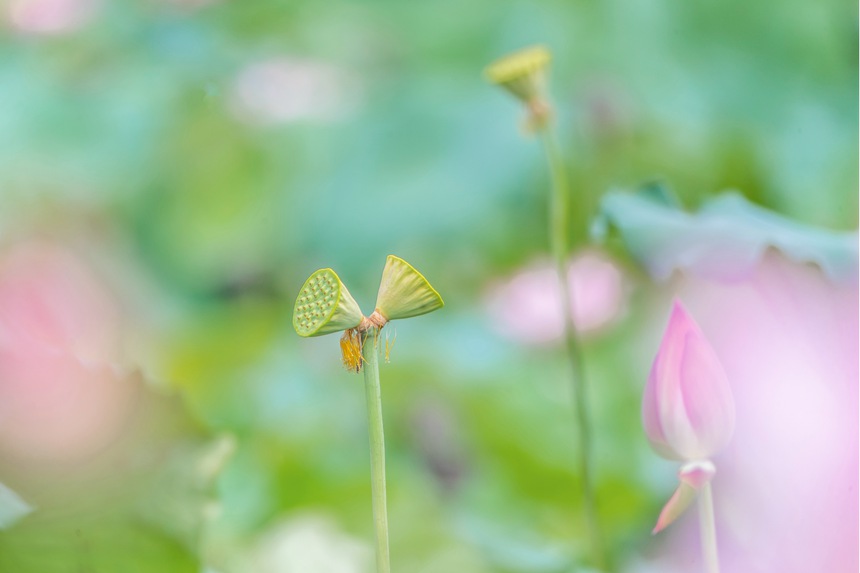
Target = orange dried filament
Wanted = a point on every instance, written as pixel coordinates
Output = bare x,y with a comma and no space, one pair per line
350,350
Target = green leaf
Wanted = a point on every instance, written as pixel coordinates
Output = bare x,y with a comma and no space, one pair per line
725,239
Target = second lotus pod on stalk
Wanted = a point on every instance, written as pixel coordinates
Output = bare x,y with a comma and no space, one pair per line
524,75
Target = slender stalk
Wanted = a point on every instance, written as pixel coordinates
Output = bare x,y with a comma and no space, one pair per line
708,530
377,447
559,229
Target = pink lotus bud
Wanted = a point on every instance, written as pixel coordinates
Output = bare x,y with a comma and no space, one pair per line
688,411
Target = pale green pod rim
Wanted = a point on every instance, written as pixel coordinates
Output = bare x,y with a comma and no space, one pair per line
404,292
324,305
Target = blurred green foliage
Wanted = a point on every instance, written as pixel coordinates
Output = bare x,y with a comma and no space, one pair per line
135,120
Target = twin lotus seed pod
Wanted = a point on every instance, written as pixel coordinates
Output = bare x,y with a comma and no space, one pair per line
324,305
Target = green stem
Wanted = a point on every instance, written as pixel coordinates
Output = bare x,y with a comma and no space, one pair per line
559,231
377,447
708,530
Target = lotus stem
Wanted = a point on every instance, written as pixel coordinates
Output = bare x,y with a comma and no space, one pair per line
377,447
559,231
708,530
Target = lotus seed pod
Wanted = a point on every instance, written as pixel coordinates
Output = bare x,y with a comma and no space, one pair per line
324,305
522,73
404,292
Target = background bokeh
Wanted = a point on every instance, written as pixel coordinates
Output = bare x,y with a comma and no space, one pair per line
175,169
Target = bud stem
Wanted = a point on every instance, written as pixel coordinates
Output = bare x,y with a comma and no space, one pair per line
708,530
559,233
377,447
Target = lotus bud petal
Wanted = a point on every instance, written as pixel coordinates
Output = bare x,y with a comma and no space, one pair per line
675,507
324,305
688,411
404,292
523,73
693,476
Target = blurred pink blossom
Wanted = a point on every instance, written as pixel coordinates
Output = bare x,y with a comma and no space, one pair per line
50,16
687,409
527,307
286,89
60,396
786,498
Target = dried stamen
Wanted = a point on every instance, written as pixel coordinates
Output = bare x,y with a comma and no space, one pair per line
350,350
389,345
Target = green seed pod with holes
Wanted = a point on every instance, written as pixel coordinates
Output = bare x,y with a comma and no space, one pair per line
324,305
404,292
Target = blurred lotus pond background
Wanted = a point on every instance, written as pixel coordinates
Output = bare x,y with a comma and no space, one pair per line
171,171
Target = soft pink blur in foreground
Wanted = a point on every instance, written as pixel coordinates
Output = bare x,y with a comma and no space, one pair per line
786,486
60,399
527,307
50,16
